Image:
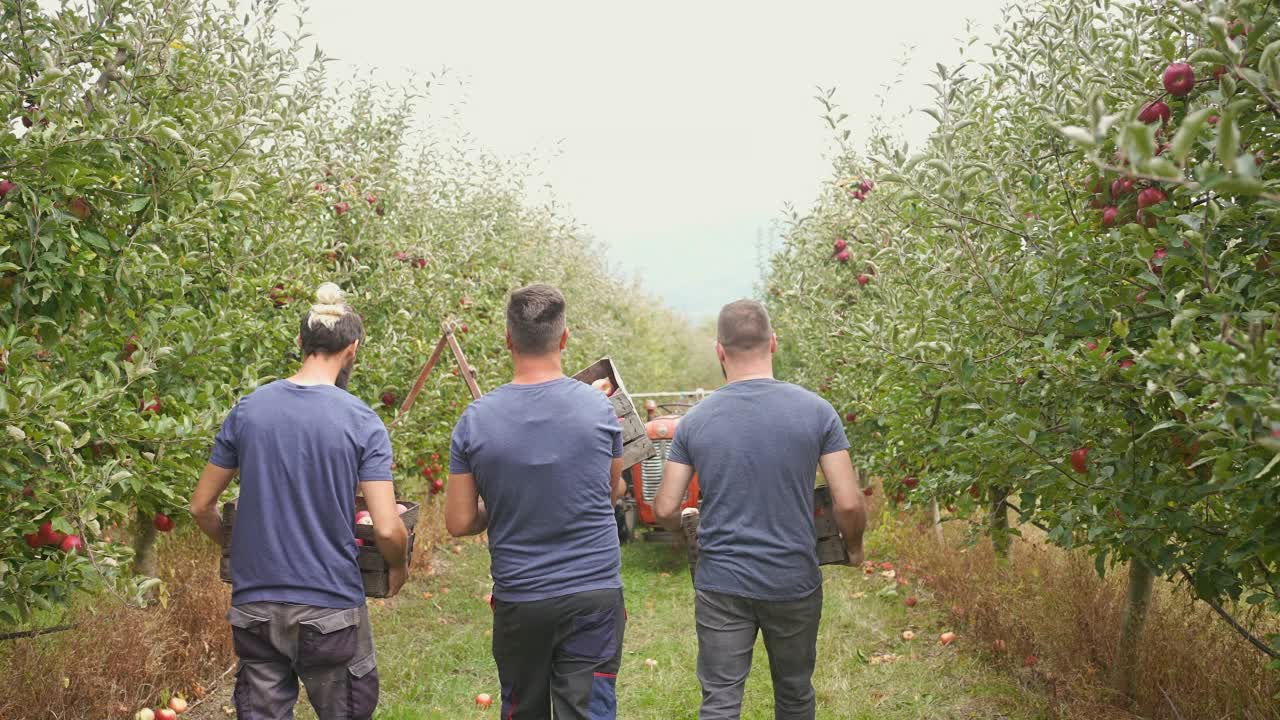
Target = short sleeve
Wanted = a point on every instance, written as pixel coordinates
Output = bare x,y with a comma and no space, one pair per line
460,447
679,451
375,456
226,445
833,437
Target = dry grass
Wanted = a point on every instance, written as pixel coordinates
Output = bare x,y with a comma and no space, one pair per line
1051,604
122,658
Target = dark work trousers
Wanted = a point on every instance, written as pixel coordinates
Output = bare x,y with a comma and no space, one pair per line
727,629
330,650
560,653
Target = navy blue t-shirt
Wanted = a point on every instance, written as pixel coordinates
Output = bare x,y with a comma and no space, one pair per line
301,450
755,445
541,456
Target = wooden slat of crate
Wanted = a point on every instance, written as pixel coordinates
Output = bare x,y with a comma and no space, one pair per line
636,451
831,547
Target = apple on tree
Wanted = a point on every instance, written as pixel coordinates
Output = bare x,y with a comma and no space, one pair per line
6,187
163,522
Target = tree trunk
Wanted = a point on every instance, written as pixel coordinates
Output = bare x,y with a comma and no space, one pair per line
936,515
1124,670
144,546
999,530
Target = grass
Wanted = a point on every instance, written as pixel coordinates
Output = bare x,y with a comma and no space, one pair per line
433,650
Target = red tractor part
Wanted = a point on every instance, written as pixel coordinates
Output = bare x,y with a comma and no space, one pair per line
646,476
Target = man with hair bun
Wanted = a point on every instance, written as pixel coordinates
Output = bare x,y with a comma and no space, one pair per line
302,448
756,445
538,463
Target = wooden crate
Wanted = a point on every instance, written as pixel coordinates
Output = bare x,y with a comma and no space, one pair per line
636,445
374,571
830,546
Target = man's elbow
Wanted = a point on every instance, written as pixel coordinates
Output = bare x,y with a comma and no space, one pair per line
199,508
456,527
389,533
848,505
665,513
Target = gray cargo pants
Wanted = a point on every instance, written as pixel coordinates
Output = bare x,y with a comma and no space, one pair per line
727,629
330,650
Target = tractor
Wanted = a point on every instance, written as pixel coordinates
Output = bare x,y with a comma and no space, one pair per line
636,510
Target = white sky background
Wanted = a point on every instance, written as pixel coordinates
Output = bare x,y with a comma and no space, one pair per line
673,132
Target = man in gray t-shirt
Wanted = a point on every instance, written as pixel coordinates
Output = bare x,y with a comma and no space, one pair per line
756,445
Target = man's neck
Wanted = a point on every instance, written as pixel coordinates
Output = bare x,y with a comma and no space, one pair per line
749,368
317,370
743,376
531,370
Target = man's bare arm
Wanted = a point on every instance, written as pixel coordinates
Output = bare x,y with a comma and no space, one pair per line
464,514
204,501
617,486
389,532
675,483
846,496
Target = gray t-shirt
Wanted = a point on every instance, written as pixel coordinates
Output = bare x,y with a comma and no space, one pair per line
755,445
302,450
541,456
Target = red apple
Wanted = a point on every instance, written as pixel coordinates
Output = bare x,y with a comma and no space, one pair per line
1109,215
402,256
1091,346
483,701
1030,661
437,486
1219,71
851,417
1080,460
388,398
464,328
1151,196
420,263
911,482
869,491
46,535
863,279
364,517
166,714
6,187
1154,112
33,540
1121,186
79,207
150,406
1213,119
163,522
843,256
130,347
840,244
342,208
177,704
1126,364
910,602
320,187
371,199
604,385
1178,79
975,491
947,638
71,543
999,647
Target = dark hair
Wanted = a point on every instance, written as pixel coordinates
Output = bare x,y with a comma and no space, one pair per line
535,319
330,326
744,327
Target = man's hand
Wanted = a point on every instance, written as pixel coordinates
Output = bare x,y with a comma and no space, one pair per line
850,510
856,555
396,580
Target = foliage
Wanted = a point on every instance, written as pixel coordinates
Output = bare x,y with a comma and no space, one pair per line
181,182
1006,317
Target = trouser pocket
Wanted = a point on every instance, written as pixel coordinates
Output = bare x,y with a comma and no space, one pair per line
593,636
364,688
328,639
251,636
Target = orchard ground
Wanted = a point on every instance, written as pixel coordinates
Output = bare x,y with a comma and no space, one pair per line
433,649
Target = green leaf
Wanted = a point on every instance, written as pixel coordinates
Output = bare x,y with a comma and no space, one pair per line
1187,133
138,204
1228,138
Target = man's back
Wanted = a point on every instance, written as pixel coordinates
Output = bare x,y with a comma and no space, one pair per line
755,445
301,451
541,457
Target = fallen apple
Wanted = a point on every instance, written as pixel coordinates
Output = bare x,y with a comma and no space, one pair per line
166,714
947,638
999,647
1030,661
177,704
868,491
388,398
908,635
145,714
910,602
483,701
651,663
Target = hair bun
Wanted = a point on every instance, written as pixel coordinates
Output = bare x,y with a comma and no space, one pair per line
329,294
330,305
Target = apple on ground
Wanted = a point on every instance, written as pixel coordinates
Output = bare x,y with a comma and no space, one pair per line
999,647
145,714
908,635
166,714
910,602
868,491
177,704
651,663
947,638
388,398
483,701
1030,661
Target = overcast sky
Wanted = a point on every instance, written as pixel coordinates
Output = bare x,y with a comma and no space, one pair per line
674,132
